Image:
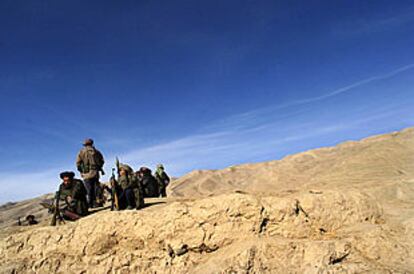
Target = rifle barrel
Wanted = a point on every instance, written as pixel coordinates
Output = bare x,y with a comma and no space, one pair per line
56,212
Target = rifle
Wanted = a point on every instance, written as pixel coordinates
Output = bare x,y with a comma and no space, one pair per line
56,211
117,164
114,194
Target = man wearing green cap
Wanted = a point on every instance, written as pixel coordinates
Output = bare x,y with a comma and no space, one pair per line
162,179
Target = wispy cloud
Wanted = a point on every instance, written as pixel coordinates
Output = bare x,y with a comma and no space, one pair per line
248,137
244,119
269,141
221,149
354,85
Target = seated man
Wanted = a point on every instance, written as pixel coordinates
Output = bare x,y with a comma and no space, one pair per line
126,195
72,197
148,182
130,194
31,220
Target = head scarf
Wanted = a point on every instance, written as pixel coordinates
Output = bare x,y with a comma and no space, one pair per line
160,170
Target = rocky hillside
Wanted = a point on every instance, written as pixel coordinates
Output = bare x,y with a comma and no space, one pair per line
11,212
346,209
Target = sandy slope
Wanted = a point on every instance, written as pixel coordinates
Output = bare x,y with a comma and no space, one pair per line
370,163
348,208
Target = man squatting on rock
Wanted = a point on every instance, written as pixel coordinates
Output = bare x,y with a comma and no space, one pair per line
72,195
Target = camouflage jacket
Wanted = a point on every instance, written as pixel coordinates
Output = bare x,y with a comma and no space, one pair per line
128,181
162,179
132,182
76,190
89,162
125,182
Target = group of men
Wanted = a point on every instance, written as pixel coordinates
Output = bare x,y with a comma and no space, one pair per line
127,190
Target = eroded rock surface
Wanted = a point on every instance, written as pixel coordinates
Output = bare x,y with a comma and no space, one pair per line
236,233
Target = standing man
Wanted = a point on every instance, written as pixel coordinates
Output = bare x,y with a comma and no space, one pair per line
162,179
89,163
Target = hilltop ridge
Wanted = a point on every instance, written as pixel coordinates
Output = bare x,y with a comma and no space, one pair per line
381,158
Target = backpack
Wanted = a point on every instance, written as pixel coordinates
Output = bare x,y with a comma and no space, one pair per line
92,159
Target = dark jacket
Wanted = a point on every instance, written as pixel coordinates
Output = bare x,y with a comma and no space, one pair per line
89,162
150,185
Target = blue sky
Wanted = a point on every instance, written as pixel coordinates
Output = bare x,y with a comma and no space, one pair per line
195,84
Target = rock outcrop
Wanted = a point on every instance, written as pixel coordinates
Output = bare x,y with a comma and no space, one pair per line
236,233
